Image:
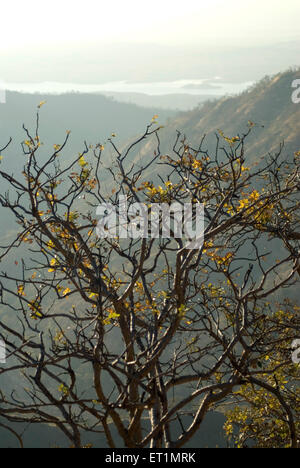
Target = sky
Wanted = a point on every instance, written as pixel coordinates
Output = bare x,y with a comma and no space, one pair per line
35,23
52,40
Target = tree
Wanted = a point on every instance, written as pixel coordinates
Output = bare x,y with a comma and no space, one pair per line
260,414
131,334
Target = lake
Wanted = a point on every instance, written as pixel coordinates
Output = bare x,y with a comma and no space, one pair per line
214,86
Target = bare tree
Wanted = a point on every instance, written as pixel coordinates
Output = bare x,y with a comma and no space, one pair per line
128,335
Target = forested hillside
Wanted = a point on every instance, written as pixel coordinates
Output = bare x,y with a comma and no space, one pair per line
268,104
89,118
72,273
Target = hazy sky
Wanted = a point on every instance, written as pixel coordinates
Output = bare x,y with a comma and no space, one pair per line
37,23
94,40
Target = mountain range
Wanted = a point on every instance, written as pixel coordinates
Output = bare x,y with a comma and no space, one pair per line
268,104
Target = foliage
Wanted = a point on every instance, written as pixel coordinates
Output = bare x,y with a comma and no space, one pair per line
162,329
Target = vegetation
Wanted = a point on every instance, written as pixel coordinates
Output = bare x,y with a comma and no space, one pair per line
111,332
268,102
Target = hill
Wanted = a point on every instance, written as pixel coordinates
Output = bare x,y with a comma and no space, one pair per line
268,104
90,118
210,435
180,102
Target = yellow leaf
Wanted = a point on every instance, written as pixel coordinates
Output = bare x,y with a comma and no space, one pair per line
66,292
53,263
82,162
41,104
21,290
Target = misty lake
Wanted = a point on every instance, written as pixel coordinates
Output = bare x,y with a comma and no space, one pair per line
214,86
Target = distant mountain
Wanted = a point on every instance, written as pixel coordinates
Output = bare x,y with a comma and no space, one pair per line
94,118
90,117
210,435
180,102
268,104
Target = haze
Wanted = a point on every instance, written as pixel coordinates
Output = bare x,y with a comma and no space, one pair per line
92,41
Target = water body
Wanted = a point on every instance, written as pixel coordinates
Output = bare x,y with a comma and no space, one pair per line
214,86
